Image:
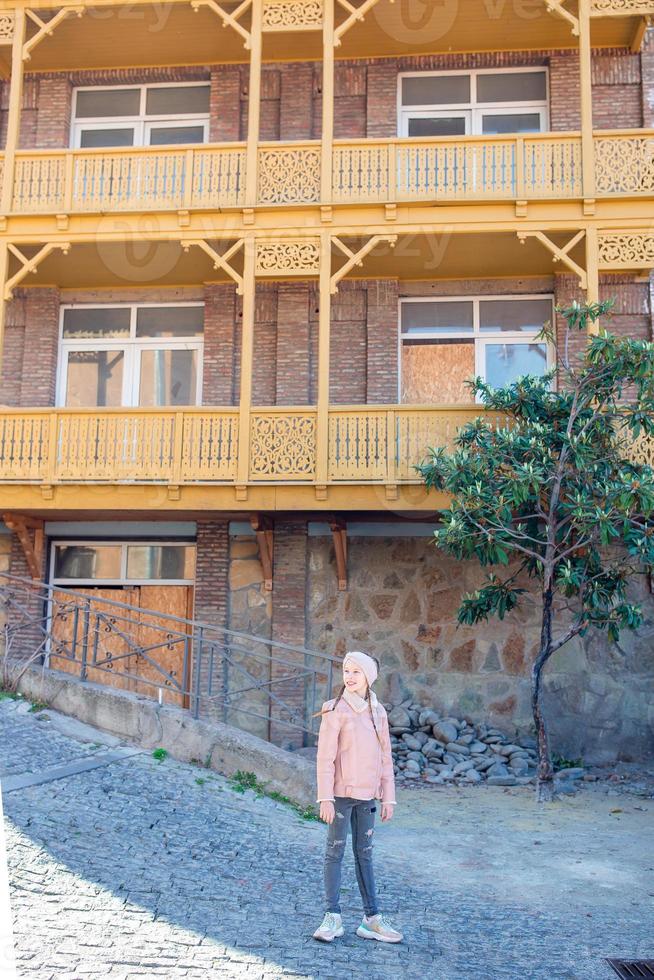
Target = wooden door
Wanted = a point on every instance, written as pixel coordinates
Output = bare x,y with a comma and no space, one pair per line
130,647
102,636
164,642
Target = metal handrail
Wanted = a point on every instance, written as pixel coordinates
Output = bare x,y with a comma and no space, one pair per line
217,663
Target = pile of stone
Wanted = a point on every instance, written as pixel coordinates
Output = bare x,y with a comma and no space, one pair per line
439,749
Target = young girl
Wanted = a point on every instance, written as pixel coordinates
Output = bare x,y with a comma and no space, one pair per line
354,765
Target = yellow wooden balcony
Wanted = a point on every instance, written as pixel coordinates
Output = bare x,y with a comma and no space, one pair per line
538,167
62,458
201,445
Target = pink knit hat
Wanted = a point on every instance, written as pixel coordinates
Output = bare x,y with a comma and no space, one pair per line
366,663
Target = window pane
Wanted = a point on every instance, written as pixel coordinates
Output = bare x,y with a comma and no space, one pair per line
176,134
434,373
96,323
94,377
160,561
170,321
436,90
442,317
168,377
512,86
108,102
91,138
506,362
177,101
520,315
511,122
445,126
87,561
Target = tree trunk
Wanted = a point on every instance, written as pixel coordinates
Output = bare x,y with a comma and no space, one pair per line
545,774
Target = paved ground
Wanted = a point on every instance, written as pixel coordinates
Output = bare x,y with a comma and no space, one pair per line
136,869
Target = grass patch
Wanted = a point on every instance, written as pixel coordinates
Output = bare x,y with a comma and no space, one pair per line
160,754
241,781
37,706
560,762
6,695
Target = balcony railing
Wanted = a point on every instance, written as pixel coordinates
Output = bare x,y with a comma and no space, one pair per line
476,168
366,444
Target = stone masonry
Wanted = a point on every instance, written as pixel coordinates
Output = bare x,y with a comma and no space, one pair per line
401,606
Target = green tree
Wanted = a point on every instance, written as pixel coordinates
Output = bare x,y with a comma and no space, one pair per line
554,490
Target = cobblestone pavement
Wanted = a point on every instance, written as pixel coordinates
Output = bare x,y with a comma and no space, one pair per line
142,868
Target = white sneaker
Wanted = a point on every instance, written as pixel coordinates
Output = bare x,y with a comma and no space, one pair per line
376,927
330,927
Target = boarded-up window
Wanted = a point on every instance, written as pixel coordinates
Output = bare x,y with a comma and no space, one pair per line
447,342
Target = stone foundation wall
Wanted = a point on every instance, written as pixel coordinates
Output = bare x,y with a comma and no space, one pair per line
401,606
250,611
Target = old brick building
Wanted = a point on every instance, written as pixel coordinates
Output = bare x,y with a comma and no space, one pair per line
249,259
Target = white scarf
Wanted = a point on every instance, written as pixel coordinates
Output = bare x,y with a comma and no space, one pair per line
357,703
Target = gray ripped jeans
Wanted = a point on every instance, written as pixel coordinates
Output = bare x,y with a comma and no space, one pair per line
360,814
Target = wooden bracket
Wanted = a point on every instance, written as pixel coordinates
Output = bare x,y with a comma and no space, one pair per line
228,19
355,14
356,258
339,534
556,7
559,254
47,27
639,34
220,261
33,547
30,265
263,528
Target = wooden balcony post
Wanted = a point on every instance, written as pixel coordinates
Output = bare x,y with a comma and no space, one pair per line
592,271
254,106
247,358
13,114
586,96
324,330
326,162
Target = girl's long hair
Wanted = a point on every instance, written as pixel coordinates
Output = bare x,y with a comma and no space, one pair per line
367,697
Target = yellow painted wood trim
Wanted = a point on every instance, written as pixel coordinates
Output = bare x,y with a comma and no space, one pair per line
254,106
247,360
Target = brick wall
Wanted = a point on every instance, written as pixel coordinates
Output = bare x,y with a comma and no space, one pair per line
365,94
211,600
41,334
647,70
631,315
11,372
30,639
293,355
219,340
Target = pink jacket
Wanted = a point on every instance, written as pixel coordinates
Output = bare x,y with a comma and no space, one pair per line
350,760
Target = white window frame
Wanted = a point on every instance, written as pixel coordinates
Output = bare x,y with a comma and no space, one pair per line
140,123
123,580
132,348
479,339
472,111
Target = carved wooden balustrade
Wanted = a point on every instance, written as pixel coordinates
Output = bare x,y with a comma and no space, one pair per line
366,444
200,445
543,166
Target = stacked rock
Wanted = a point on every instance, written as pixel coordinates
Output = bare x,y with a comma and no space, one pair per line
435,749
